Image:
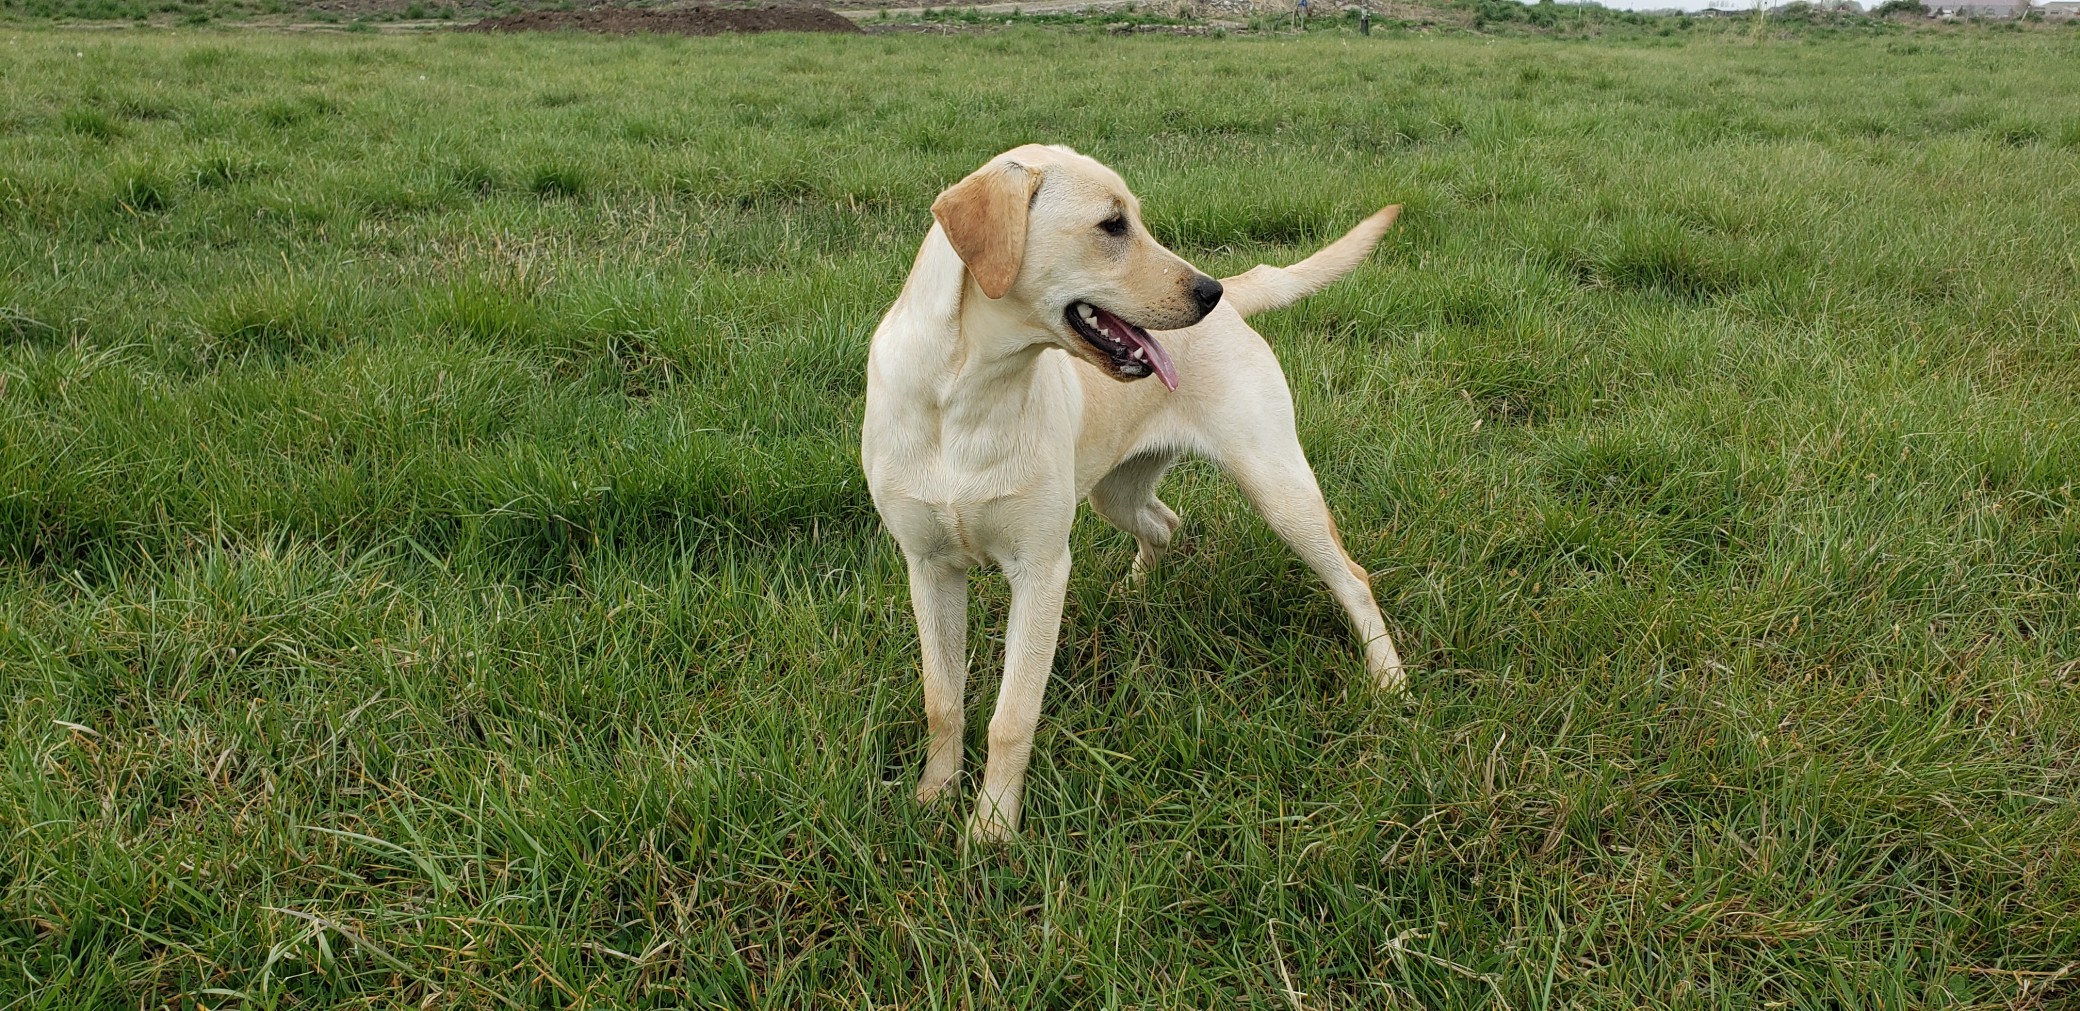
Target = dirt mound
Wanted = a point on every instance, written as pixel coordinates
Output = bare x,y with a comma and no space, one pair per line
682,21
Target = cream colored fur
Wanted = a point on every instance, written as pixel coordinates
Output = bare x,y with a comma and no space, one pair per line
981,435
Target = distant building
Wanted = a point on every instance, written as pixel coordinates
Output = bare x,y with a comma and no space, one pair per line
2062,9
1992,10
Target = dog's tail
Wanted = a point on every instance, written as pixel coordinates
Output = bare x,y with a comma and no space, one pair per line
1266,287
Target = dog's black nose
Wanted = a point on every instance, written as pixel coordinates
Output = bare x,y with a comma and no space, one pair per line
1207,292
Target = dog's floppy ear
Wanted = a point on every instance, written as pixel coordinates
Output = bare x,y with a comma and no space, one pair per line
985,218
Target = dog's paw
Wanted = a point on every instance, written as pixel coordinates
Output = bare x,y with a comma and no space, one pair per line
1383,662
987,826
933,790
1391,681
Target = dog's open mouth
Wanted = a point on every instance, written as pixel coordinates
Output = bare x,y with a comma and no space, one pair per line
1133,353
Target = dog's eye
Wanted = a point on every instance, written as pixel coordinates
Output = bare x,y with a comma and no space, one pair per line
1114,225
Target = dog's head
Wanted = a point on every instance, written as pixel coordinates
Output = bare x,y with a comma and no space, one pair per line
1061,235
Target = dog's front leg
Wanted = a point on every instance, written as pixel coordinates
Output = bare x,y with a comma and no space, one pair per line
939,595
1037,586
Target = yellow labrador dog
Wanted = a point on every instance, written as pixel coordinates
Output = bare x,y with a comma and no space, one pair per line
981,435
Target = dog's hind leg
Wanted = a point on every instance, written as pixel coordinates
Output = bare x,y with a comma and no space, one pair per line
939,595
1126,499
1273,472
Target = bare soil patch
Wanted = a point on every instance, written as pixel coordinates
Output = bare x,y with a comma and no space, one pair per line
680,21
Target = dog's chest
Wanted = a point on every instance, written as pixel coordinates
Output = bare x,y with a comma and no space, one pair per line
978,493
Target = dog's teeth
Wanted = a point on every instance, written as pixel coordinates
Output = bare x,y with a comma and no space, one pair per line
1140,355
1089,314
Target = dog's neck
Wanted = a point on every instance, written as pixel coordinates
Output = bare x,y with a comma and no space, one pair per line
986,350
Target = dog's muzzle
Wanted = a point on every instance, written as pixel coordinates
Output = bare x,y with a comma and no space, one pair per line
1132,353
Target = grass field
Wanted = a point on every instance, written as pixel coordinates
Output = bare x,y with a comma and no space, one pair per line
434,567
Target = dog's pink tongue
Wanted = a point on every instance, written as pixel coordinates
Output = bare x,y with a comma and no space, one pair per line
1158,359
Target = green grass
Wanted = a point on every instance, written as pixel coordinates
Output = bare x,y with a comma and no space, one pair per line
434,566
